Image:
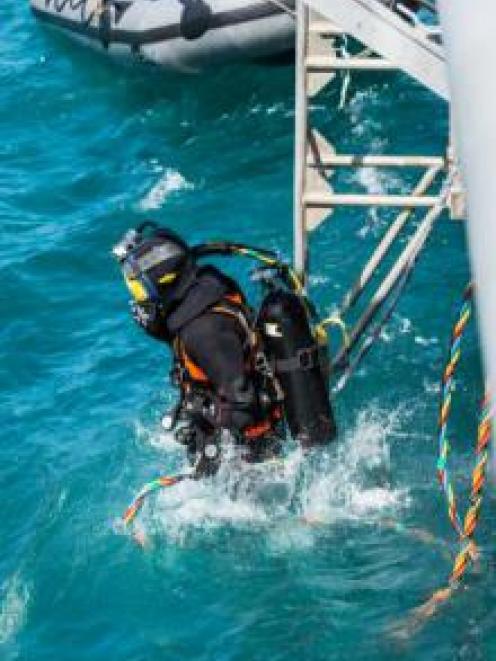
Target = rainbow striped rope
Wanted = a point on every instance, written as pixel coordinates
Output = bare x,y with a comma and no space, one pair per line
155,485
445,409
465,528
468,549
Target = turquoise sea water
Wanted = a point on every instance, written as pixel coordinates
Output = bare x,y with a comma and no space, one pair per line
86,150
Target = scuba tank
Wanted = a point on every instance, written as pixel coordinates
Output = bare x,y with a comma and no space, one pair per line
297,361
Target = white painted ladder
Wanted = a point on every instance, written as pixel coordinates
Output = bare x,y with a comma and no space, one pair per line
399,45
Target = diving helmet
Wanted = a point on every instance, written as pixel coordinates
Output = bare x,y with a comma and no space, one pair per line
156,264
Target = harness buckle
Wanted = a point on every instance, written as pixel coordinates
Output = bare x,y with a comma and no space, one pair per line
261,364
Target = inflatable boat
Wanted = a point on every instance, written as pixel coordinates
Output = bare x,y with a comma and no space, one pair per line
183,35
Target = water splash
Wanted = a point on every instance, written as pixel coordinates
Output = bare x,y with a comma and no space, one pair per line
170,182
349,481
356,481
14,596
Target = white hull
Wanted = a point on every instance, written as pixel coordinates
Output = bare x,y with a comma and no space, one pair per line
473,86
176,34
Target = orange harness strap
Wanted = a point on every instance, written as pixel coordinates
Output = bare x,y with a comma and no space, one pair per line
253,432
261,428
235,298
197,374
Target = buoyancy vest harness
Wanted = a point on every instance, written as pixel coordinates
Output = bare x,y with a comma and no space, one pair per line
193,381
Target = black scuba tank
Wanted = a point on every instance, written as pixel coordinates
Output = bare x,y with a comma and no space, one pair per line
296,359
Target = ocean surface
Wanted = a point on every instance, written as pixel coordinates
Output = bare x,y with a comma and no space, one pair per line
322,557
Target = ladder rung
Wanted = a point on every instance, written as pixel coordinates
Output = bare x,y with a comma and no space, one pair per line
376,160
322,200
321,63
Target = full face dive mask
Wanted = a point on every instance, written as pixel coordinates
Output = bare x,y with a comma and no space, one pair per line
151,262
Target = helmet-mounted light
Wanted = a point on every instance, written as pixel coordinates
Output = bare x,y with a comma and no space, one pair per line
126,245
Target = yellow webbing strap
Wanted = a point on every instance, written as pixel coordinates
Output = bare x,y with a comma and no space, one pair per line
241,318
335,320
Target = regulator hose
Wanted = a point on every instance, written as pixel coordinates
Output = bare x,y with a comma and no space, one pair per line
267,257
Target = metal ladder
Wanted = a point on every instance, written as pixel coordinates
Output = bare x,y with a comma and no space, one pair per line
317,61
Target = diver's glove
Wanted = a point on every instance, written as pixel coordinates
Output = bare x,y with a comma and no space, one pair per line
148,317
190,436
204,451
144,315
208,459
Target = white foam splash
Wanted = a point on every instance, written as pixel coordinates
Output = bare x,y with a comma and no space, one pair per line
398,325
405,324
371,179
292,498
375,182
276,107
358,108
156,437
170,182
318,279
425,341
356,483
237,496
13,608
431,387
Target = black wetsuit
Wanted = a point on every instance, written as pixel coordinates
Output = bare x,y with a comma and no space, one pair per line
215,342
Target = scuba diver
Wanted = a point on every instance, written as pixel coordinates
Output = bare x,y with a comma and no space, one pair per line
241,377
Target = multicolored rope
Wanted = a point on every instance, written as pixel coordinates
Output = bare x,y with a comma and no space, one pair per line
465,528
445,408
155,485
469,551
